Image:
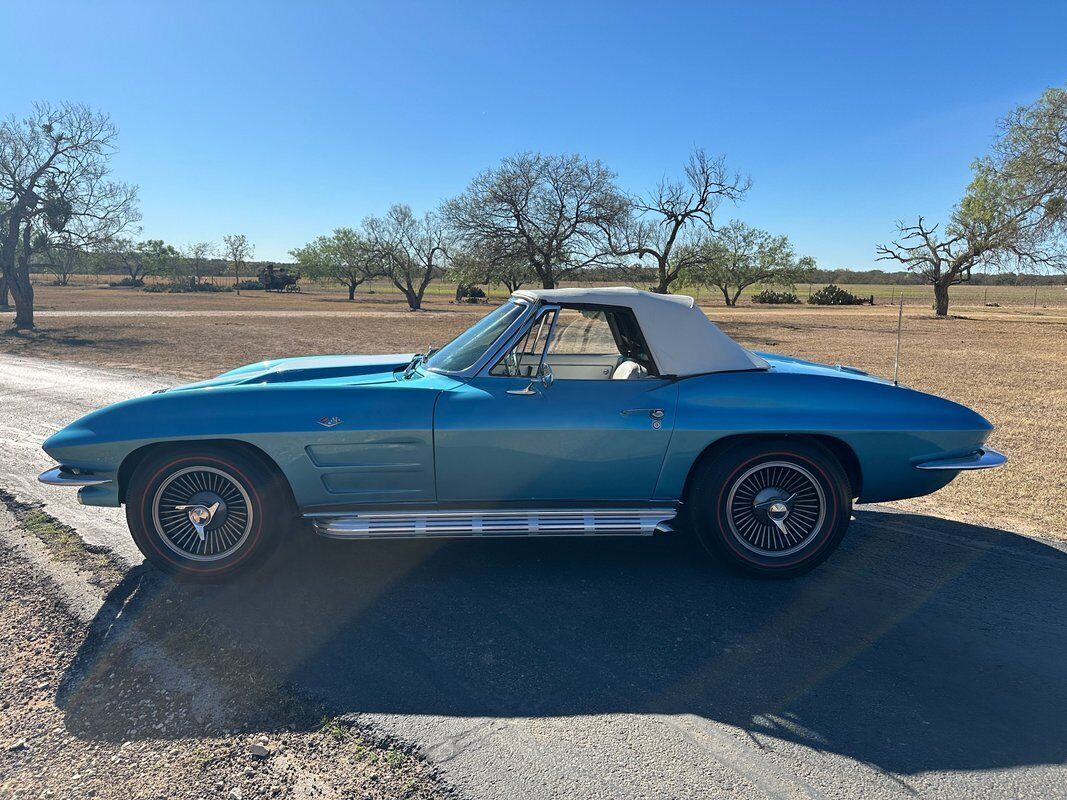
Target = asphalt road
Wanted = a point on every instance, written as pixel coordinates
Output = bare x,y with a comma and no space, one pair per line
926,657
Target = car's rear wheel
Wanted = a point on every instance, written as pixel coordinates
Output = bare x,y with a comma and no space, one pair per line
770,508
202,513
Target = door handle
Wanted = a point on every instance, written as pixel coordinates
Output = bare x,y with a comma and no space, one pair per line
654,413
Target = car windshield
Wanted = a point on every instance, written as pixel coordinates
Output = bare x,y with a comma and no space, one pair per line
469,346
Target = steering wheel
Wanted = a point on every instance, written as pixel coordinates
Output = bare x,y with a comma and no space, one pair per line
511,363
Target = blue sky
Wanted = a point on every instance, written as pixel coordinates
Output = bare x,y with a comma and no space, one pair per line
285,120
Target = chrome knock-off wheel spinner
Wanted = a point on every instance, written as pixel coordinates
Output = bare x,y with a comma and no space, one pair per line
202,513
775,508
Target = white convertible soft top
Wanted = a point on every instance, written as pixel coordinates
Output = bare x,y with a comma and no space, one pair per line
683,341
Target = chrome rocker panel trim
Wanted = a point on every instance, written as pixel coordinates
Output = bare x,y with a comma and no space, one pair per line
63,476
983,458
487,523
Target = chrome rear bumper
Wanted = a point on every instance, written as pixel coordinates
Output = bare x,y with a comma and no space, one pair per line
65,476
983,458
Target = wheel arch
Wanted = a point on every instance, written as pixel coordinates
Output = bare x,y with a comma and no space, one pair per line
840,449
136,457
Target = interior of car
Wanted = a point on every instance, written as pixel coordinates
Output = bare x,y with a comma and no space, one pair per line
586,343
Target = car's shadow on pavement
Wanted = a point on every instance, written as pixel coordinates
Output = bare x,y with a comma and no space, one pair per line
921,645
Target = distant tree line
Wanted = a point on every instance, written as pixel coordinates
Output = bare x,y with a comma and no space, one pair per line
912,278
196,262
187,265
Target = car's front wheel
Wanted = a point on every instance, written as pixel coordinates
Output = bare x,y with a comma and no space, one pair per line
204,512
770,508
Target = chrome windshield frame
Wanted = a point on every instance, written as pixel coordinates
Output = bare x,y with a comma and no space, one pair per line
541,310
490,352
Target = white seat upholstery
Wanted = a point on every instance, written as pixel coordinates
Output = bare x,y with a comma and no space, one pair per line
628,370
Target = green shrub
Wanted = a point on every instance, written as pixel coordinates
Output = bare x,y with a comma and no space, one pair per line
184,288
128,283
836,296
775,298
248,285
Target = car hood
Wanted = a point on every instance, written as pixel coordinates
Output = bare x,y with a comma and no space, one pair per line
309,369
782,363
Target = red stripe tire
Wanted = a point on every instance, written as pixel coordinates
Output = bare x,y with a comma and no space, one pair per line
206,512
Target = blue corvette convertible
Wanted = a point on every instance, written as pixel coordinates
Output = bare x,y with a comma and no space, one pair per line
563,412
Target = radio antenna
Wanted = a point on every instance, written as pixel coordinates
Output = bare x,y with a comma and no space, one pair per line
900,324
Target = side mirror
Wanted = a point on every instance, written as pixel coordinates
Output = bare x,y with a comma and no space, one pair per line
543,380
544,375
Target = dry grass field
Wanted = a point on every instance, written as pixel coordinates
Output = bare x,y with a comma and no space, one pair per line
1007,363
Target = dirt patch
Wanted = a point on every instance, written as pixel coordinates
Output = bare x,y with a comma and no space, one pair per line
199,347
140,725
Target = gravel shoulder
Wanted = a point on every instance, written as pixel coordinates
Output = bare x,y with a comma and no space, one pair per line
160,720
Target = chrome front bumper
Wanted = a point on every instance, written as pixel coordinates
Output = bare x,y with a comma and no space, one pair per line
983,458
65,476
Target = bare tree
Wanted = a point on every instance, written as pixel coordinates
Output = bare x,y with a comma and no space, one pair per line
126,255
410,251
53,179
673,217
196,258
1014,210
59,257
237,250
738,256
345,257
551,211
941,260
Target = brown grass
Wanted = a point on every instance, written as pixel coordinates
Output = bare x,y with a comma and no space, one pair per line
1006,365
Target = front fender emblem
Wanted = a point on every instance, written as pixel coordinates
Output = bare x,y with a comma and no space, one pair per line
330,422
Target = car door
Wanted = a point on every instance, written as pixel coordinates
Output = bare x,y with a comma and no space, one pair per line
506,436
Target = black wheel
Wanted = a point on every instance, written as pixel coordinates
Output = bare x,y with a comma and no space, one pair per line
202,513
770,508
